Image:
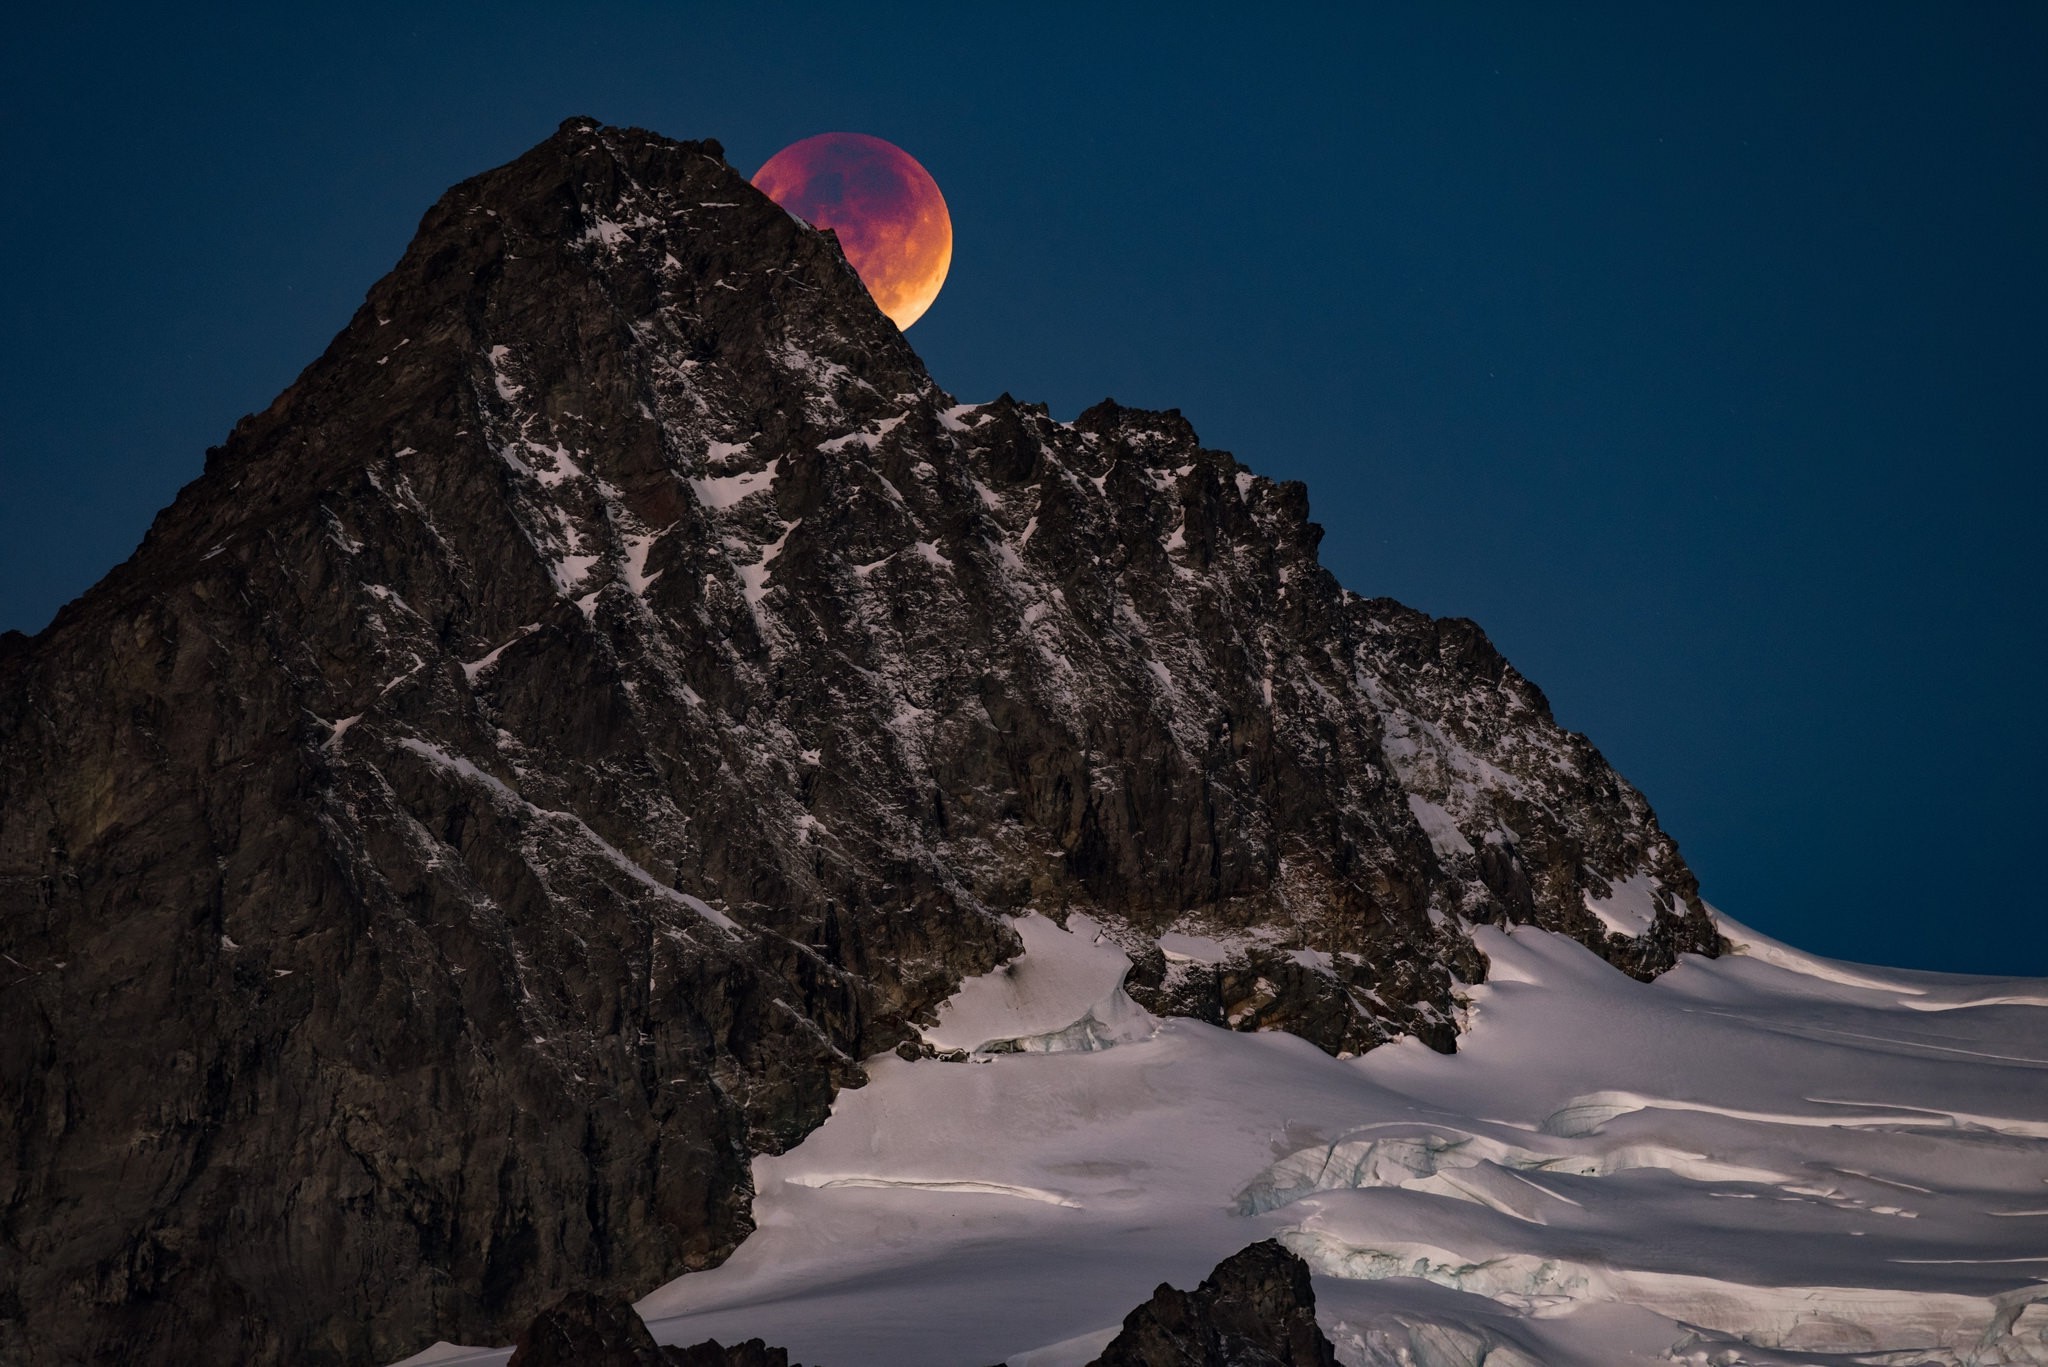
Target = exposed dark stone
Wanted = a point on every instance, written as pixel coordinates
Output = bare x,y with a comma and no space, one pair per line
1257,1309
710,1353
368,840
583,1330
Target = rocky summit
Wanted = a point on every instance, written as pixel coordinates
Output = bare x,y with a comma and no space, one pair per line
613,693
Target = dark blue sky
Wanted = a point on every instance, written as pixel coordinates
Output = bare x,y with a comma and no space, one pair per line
1696,351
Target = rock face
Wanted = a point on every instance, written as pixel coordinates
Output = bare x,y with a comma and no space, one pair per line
1257,1309
613,692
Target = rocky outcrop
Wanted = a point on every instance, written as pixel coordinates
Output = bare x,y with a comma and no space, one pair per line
711,1353
613,692
1257,1309
585,1330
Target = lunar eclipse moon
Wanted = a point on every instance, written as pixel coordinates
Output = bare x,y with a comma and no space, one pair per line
885,208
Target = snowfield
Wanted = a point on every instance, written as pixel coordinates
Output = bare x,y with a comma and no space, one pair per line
1768,1158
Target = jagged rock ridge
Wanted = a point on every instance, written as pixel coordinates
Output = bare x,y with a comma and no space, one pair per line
614,691
1257,1309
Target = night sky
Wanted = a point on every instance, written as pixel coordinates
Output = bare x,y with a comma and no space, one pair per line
1696,352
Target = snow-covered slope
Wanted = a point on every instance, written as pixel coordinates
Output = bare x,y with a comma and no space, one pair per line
1770,1158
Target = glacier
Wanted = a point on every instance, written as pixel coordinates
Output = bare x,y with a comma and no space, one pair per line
1769,1158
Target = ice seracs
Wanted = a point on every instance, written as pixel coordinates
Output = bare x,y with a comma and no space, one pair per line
1768,1158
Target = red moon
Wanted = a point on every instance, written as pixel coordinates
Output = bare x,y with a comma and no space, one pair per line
891,220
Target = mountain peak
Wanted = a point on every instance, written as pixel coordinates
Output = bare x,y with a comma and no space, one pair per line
595,228
614,692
